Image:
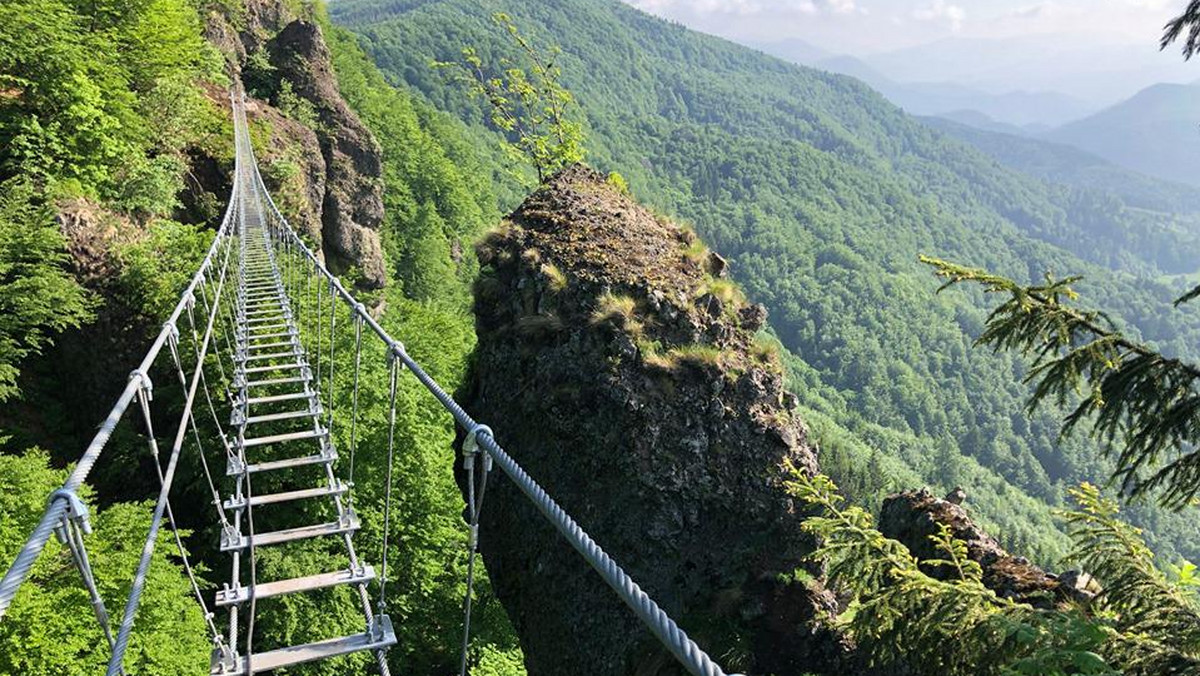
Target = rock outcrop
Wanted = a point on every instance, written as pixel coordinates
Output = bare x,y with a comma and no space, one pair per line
352,209
623,373
340,187
912,517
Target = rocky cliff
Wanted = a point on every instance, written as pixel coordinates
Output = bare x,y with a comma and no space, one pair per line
334,169
624,372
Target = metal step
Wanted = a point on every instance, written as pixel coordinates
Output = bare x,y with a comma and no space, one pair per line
264,328
242,337
327,455
256,322
267,295
348,524
265,590
271,346
274,355
273,367
284,438
338,488
311,412
303,378
290,396
383,637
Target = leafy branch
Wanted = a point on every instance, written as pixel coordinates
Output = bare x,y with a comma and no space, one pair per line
1147,605
899,615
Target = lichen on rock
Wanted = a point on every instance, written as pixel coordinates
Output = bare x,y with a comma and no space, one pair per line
620,369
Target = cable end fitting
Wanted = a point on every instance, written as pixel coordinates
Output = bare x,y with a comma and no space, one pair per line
146,385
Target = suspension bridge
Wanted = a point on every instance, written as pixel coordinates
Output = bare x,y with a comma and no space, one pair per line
262,311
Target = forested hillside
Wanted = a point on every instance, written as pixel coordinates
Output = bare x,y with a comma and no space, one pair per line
824,194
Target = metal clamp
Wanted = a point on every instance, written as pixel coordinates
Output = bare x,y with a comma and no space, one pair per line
147,385
395,350
76,511
471,448
224,658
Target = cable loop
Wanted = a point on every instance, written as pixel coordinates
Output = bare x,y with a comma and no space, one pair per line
396,351
470,447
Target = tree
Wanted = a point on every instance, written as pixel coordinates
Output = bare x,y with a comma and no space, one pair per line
38,298
425,266
1142,405
1188,21
528,104
50,630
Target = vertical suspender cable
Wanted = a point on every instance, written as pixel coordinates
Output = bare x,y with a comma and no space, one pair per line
393,366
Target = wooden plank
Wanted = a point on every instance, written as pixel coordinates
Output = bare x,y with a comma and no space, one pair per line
290,396
273,367
284,438
265,590
286,463
338,488
282,415
310,652
278,537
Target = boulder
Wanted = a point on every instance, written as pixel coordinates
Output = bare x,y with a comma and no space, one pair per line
912,517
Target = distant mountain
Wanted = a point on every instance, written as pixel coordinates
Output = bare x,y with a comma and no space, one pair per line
1071,166
1100,74
1156,132
1019,108
795,50
978,120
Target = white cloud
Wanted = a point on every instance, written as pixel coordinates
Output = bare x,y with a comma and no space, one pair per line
941,11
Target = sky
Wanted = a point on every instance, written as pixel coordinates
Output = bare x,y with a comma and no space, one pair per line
864,27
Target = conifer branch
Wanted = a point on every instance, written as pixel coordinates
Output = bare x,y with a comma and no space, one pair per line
1143,406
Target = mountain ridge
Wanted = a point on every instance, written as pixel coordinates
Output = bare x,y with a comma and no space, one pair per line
1153,132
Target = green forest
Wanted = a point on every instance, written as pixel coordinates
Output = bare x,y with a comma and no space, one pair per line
823,195
115,140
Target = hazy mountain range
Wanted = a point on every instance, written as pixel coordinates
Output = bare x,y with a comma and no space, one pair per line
1109,101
